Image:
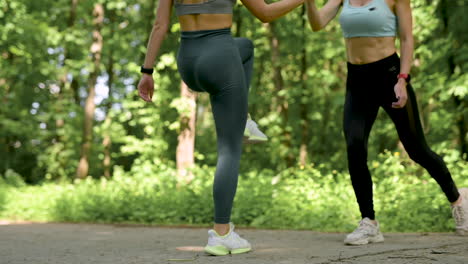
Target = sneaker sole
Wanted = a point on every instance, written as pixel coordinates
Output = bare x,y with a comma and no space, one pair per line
223,251
250,140
240,250
365,241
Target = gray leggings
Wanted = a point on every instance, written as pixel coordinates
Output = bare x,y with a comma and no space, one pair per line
213,61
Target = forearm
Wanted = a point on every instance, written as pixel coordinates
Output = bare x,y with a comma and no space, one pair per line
318,19
313,15
155,41
279,9
406,50
405,28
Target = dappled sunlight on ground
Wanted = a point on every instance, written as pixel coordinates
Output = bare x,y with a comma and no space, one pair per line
191,248
9,222
26,242
274,250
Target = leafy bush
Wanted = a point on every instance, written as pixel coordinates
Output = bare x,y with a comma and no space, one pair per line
13,179
310,197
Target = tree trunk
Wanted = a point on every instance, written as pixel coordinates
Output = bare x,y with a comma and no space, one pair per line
281,100
96,49
186,140
462,126
107,141
461,123
72,16
150,15
303,153
238,21
60,122
71,22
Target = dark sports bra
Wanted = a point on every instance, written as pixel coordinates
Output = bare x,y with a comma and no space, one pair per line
204,7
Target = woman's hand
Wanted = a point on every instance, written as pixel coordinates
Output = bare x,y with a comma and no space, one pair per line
400,93
146,87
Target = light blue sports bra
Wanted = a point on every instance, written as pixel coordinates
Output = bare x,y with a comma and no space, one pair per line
204,7
375,19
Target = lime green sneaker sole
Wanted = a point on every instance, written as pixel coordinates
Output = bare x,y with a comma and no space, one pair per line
223,251
240,250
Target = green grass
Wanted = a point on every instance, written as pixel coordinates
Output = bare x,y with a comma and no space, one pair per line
315,198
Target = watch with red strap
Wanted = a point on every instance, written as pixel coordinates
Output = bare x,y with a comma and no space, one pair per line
405,76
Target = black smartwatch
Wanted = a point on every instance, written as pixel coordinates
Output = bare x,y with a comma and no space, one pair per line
146,70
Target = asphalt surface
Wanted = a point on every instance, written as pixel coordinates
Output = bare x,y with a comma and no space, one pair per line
95,243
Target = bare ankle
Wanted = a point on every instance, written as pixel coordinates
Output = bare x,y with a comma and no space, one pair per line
458,202
221,229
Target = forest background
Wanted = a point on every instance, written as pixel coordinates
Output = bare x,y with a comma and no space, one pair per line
77,144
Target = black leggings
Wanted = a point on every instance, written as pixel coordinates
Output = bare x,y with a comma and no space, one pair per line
213,61
369,87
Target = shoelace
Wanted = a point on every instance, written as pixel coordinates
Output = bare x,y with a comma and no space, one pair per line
363,227
252,124
236,239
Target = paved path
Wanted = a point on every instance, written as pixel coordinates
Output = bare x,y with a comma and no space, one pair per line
89,243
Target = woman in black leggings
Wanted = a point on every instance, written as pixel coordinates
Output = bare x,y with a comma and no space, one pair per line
378,78
211,60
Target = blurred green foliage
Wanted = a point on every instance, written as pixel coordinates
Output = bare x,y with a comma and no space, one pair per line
46,61
310,197
296,97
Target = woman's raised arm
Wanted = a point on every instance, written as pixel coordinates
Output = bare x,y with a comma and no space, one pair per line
269,12
318,19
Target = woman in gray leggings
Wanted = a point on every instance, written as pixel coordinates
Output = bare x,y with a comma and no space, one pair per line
211,60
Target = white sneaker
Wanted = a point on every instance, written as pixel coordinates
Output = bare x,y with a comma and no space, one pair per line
460,213
229,243
252,134
365,233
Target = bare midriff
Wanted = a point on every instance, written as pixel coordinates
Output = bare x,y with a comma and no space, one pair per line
197,22
363,50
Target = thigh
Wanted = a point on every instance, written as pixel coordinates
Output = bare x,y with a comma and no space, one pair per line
407,121
229,106
360,112
221,71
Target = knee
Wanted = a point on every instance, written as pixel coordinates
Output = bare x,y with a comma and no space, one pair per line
355,144
230,143
422,155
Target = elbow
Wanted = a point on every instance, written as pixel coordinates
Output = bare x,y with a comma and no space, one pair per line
265,14
406,38
315,23
407,42
266,19
161,27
